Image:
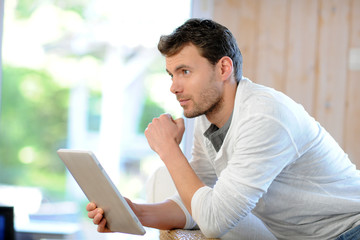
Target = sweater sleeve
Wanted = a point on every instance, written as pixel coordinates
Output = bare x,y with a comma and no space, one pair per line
262,149
190,223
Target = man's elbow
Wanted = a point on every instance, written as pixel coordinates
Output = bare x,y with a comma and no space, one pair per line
212,231
217,227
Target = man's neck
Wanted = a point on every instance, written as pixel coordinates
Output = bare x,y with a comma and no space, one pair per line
220,117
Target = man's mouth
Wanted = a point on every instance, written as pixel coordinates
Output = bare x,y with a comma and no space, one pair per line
183,101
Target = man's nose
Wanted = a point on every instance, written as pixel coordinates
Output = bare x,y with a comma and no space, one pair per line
175,86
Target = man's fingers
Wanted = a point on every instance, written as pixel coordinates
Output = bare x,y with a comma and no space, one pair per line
90,207
168,115
179,122
92,214
102,225
98,218
97,215
181,128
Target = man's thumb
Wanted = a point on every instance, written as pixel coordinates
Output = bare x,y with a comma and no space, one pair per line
181,128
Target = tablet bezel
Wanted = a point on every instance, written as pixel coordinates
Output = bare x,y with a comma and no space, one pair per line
98,188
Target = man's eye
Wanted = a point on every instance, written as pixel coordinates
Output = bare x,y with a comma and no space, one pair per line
186,72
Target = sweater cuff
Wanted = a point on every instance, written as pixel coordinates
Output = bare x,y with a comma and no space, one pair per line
190,223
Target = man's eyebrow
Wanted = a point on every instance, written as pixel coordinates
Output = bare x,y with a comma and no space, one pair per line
178,68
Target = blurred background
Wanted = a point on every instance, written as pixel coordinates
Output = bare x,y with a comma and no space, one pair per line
86,74
80,74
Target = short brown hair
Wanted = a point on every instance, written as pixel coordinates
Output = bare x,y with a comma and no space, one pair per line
213,40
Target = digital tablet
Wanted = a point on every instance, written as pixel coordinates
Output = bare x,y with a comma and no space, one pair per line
98,188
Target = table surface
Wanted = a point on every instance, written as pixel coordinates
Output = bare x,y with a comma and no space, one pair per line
178,234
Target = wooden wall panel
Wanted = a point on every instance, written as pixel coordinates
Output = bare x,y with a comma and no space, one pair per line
272,25
242,19
352,122
332,66
301,52
302,48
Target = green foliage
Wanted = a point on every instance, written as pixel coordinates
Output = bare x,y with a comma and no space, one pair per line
151,110
25,8
78,6
94,111
33,125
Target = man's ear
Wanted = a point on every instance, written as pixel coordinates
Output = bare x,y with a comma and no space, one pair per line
225,65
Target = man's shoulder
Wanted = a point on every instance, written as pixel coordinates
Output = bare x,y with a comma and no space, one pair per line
255,99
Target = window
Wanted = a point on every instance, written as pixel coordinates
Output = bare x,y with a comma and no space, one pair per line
83,74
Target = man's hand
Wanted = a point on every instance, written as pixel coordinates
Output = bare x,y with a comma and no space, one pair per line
165,215
97,214
164,131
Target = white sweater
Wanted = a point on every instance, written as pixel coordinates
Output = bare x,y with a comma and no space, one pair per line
277,162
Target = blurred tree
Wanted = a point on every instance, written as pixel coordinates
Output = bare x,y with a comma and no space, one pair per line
34,111
69,38
25,8
33,126
151,110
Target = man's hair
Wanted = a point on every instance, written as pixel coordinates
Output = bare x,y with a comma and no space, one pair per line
213,41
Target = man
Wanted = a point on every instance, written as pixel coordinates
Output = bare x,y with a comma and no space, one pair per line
254,150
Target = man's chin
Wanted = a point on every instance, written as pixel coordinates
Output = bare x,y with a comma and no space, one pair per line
191,114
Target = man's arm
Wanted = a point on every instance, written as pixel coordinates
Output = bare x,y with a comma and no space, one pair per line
164,215
164,136
184,177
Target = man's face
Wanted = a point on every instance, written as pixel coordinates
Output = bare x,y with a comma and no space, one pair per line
194,82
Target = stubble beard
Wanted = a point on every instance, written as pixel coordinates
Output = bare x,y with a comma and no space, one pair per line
210,103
